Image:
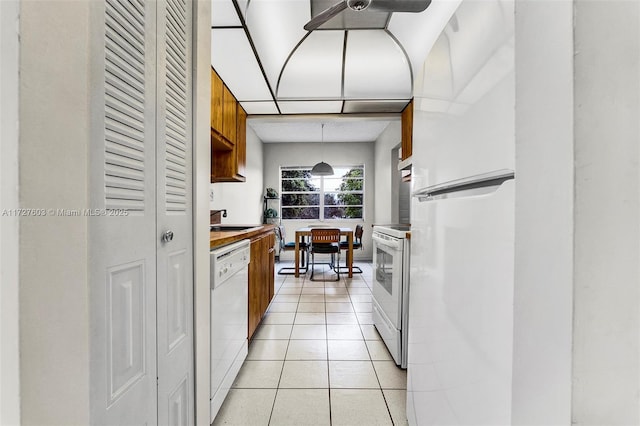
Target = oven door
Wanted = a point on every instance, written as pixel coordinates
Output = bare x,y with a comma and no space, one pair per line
387,283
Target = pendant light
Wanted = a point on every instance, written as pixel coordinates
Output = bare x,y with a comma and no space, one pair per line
322,168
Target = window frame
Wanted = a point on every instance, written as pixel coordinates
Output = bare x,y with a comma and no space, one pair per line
321,193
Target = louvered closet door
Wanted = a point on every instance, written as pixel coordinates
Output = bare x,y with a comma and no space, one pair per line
175,270
122,243
141,286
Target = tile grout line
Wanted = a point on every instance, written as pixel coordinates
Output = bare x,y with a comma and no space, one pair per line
376,371
326,330
273,405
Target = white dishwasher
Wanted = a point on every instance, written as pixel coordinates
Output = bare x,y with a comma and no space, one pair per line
229,317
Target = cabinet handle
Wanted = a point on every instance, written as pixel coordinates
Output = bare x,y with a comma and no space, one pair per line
272,249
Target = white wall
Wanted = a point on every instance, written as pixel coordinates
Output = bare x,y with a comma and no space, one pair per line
544,214
201,178
243,200
337,154
606,323
54,135
386,194
9,287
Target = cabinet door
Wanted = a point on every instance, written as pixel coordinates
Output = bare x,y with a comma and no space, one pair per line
261,278
407,131
255,285
229,115
216,101
270,278
241,141
264,270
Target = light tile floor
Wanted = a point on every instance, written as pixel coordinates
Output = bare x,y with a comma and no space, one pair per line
317,359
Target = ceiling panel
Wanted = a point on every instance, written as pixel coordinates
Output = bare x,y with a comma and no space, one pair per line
375,67
310,107
265,107
375,106
276,27
242,5
287,129
233,59
223,13
314,70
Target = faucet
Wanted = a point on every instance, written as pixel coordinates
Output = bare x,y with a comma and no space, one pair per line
224,212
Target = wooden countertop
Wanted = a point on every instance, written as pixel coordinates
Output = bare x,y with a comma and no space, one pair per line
221,238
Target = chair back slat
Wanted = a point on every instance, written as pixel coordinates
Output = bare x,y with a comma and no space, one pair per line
325,235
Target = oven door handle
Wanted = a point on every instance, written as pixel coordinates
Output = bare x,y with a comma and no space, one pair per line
384,242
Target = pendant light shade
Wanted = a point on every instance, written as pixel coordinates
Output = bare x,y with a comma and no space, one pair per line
322,168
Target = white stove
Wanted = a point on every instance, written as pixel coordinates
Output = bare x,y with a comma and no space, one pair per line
391,253
397,231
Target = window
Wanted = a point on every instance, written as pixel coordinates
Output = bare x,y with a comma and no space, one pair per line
304,196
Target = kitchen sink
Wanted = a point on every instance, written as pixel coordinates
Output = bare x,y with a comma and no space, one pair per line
230,228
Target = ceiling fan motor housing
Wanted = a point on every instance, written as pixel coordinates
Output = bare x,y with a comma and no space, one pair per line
358,4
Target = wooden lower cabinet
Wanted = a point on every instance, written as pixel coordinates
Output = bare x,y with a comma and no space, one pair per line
261,277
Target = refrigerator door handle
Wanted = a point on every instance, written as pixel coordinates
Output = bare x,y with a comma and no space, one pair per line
480,182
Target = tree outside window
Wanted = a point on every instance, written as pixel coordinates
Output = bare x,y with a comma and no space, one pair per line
305,196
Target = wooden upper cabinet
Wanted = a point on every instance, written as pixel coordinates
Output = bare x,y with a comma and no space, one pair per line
241,141
407,131
230,166
216,101
229,115
228,134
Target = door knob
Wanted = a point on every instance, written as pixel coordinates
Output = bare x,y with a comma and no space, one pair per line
167,236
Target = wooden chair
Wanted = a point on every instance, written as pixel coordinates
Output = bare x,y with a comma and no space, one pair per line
325,241
357,245
291,246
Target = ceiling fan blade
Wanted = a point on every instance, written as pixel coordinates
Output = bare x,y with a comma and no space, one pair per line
325,15
399,5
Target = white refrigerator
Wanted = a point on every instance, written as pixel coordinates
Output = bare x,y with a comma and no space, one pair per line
462,223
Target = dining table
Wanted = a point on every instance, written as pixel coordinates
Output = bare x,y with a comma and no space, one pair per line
302,233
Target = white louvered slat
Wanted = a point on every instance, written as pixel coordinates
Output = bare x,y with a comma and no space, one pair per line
125,151
175,136
115,60
132,14
117,118
116,92
176,184
176,125
120,182
120,139
125,105
125,162
114,170
176,150
176,159
178,108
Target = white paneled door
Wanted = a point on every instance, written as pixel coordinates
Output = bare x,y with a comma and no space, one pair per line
141,270
174,255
